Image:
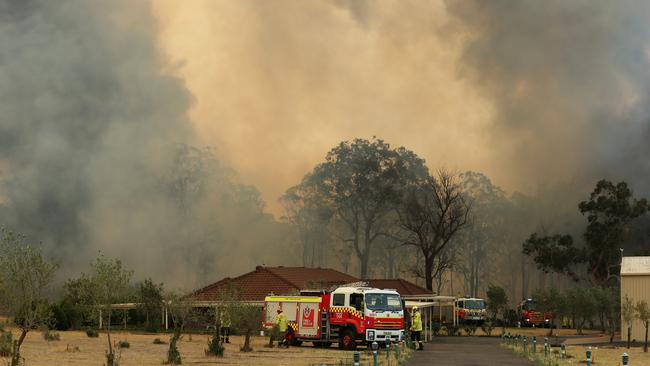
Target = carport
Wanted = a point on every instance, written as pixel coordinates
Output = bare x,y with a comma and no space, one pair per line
434,309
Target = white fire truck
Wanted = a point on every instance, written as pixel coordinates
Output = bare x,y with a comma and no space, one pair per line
349,316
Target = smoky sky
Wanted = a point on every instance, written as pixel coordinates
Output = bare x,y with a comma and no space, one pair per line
94,154
101,101
529,92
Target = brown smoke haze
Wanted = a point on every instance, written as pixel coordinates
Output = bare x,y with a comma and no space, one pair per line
279,83
100,101
528,92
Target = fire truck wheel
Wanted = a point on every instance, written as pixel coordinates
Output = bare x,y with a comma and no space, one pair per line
347,340
292,340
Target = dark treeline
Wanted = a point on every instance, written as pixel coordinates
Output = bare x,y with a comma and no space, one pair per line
381,212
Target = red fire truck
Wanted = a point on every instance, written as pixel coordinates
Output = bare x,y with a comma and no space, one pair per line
530,316
349,316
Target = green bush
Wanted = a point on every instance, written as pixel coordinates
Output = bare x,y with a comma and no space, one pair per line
6,339
90,332
50,335
452,330
215,346
487,328
123,344
159,341
470,330
436,329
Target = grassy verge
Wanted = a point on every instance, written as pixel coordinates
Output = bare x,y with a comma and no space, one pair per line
577,355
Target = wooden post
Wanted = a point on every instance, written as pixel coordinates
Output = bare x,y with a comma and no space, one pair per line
166,319
101,320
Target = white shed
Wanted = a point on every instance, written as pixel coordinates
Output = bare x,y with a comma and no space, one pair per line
635,283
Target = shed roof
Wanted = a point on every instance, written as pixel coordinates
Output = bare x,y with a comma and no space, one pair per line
635,266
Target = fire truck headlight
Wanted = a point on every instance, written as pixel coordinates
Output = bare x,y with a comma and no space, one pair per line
371,335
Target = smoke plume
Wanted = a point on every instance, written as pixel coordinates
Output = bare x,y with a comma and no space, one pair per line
94,147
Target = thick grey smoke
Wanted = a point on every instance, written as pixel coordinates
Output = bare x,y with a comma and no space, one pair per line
93,146
570,82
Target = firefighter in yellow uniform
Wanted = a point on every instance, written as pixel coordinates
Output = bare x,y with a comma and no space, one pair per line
224,318
416,328
280,329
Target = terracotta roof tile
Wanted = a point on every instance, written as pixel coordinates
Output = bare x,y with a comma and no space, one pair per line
402,286
255,285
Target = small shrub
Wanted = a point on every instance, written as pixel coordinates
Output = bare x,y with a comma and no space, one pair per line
91,333
470,330
215,346
159,341
123,344
72,348
6,339
487,328
436,329
452,330
50,335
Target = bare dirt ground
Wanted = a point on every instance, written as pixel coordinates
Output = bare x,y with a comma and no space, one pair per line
142,351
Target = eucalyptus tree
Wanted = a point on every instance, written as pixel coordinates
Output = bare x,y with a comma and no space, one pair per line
359,185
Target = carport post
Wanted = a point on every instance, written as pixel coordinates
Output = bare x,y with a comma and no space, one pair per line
431,321
166,319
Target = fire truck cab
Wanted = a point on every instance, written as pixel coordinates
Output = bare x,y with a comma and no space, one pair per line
348,316
471,310
530,316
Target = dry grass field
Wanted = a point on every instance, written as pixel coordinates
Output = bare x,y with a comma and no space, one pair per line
75,348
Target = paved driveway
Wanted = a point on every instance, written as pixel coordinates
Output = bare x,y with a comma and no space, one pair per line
466,351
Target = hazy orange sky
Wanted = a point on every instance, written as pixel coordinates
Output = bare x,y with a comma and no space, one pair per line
279,83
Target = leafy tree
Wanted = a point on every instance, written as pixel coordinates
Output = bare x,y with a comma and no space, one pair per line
554,253
628,313
24,278
150,298
108,283
582,306
607,300
247,318
433,211
485,235
497,300
643,314
181,309
360,183
309,217
609,211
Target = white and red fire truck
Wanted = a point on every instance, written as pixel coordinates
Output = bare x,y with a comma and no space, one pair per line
348,315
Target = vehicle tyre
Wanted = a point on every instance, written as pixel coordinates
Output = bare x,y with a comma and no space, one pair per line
292,340
347,340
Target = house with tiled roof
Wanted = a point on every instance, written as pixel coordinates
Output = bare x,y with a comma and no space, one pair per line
254,286
403,287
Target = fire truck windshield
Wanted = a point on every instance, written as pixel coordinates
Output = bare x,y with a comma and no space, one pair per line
383,302
474,304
